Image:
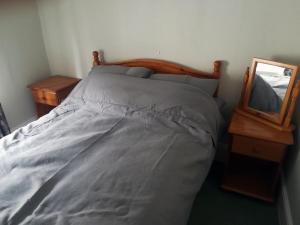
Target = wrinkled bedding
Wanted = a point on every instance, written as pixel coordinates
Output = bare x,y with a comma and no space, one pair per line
119,150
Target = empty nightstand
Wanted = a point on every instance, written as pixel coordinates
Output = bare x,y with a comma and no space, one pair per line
50,92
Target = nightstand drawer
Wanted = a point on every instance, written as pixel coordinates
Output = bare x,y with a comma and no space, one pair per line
258,148
44,97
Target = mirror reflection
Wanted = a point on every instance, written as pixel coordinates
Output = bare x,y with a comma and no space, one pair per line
269,87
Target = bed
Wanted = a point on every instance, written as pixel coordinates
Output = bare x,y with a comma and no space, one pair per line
119,150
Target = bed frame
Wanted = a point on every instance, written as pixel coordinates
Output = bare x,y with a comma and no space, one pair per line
162,66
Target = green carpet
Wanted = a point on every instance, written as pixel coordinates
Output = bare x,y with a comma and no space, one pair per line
213,206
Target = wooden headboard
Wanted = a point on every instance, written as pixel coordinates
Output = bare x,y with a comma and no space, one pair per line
162,66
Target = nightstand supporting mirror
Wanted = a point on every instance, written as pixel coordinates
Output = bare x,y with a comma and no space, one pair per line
257,152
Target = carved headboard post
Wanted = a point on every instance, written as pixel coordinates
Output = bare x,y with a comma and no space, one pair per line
217,74
217,68
96,61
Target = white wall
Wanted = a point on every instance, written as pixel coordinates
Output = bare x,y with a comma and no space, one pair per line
22,58
192,32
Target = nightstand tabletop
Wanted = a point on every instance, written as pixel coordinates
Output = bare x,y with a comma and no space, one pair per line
241,125
54,83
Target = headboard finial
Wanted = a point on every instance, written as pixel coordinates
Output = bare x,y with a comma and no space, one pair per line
217,68
96,61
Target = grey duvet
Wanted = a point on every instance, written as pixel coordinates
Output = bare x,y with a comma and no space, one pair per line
118,151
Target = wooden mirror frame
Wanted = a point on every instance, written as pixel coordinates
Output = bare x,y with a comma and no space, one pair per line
279,119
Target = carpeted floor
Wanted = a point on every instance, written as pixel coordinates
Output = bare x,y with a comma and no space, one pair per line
216,207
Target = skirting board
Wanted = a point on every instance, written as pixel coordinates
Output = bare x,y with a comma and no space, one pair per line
24,123
284,210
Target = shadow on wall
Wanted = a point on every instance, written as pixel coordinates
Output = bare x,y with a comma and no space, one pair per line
233,82
293,153
10,3
226,79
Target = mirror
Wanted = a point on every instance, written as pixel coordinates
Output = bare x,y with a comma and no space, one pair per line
268,90
269,87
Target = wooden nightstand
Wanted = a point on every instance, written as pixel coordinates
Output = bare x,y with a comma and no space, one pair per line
256,155
50,92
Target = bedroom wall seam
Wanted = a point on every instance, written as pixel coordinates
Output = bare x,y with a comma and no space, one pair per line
284,209
43,36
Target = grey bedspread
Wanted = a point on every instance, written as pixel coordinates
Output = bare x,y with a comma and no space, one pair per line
118,151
